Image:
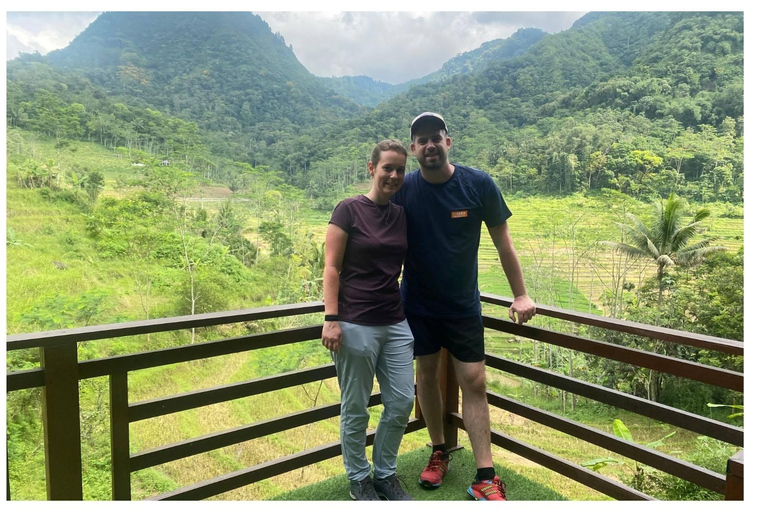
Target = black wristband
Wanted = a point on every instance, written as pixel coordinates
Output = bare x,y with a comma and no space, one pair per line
331,318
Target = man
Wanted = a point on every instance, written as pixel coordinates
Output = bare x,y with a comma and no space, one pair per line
445,206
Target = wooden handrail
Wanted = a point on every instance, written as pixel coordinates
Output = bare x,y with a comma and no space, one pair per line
201,398
228,482
693,422
660,333
665,364
101,332
217,440
61,421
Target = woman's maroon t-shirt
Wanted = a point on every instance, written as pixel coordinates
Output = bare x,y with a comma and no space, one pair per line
369,293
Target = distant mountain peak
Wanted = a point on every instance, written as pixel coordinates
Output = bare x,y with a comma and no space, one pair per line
201,65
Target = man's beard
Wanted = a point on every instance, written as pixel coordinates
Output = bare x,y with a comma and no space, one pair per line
436,163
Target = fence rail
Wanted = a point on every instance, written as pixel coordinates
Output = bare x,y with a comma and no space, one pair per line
60,372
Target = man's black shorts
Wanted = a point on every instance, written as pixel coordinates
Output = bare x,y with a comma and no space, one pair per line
463,337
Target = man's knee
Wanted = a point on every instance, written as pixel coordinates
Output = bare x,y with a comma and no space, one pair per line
471,377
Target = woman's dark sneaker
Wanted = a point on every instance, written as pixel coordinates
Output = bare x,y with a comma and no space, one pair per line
390,489
363,490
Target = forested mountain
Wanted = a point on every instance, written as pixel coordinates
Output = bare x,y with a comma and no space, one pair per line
224,70
368,92
480,58
361,89
642,102
645,103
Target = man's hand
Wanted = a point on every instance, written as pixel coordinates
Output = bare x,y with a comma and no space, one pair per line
332,336
522,309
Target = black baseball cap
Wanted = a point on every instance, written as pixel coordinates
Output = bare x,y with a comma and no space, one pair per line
426,116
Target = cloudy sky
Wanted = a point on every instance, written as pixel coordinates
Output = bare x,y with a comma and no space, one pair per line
398,46
393,43
388,46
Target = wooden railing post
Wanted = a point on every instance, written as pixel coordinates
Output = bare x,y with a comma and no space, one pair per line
449,388
449,394
61,422
734,478
120,425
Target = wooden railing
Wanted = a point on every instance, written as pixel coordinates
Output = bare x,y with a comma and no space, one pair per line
60,372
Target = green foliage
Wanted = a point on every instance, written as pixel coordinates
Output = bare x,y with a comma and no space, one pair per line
601,462
12,239
213,291
643,478
708,453
668,240
279,242
360,89
60,311
732,407
94,184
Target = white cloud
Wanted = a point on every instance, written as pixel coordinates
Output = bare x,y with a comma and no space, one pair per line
44,31
14,47
397,46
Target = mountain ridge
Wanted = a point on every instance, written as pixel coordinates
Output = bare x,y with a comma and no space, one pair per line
182,63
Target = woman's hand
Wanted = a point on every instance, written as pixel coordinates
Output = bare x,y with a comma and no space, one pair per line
332,336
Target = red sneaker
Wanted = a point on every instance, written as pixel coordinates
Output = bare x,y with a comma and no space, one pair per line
489,490
436,469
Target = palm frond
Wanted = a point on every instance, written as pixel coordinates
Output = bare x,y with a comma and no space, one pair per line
682,236
652,249
664,261
638,225
691,257
669,220
700,215
626,248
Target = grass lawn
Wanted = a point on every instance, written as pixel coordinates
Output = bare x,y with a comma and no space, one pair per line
454,488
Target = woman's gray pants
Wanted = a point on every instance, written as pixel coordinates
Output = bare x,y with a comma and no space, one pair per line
387,352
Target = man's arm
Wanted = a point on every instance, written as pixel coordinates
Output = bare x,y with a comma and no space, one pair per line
522,307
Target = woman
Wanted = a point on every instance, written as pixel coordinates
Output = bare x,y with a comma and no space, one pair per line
365,327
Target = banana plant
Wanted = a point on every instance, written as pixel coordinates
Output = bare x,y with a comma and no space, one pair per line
734,415
622,431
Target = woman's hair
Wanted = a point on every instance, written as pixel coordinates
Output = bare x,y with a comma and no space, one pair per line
387,145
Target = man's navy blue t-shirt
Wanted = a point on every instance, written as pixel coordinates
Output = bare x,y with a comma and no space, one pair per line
444,224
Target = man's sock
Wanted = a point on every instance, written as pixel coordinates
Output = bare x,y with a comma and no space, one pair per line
440,448
485,474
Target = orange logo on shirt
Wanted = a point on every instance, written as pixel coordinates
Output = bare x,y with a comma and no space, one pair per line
459,214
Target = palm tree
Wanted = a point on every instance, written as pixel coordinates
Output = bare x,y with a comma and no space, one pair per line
668,239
